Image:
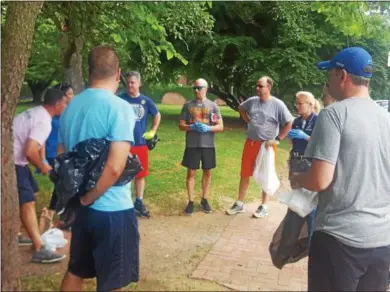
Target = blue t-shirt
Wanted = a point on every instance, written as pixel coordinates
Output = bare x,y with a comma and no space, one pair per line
143,106
307,126
98,113
52,140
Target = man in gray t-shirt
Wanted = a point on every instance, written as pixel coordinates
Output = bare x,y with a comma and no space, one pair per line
264,114
350,148
201,119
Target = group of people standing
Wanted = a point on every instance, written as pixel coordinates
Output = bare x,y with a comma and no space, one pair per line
341,152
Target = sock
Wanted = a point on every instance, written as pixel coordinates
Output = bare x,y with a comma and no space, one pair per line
265,206
240,203
139,200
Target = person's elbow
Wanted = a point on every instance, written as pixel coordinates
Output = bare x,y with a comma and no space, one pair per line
115,170
321,184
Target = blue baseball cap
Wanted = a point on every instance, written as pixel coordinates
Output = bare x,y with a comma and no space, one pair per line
354,60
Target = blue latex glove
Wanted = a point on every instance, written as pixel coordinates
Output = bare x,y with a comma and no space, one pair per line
196,127
298,134
204,128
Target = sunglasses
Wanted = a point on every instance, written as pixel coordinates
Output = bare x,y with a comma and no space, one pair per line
198,88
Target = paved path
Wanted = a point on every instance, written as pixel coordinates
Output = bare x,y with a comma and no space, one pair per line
240,259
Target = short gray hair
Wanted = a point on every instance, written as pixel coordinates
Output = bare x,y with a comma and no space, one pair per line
359,80
136,74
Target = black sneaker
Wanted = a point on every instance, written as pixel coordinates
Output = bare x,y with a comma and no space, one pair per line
204,205
140,209
189,210
23,240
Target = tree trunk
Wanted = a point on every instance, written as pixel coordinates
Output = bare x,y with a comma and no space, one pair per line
37,90
16,45
72,43
73,69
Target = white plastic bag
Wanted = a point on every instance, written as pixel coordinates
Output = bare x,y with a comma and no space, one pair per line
265,172
53,239
301,201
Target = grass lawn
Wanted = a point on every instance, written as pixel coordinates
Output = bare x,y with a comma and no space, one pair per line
165,188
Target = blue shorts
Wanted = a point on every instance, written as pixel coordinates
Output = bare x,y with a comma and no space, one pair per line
105,245
27,186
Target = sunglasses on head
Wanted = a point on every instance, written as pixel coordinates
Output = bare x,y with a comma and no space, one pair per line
197,88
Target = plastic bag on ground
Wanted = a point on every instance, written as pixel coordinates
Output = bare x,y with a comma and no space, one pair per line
290,242
301,201
53,239
264,173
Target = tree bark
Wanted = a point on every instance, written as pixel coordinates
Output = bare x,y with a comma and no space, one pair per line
72,44
37,89
18,35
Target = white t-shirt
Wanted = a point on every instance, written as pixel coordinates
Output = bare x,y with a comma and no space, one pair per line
34,123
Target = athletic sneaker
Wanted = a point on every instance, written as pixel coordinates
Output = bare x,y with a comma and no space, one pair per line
236,208
24,240
44,256
204,205
261,212
189,210
140,209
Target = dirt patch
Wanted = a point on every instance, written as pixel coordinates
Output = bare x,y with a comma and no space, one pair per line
171,247
173,98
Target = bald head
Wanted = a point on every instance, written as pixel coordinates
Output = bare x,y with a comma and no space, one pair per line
201,82
103,63
263,87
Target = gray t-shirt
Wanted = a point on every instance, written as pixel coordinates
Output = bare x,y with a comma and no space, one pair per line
265,117
206,112
354,135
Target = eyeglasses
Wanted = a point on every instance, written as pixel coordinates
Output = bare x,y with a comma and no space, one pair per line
198,88
300,103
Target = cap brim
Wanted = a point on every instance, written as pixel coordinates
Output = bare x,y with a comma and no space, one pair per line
324,65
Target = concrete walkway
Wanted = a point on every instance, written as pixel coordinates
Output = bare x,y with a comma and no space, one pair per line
240,259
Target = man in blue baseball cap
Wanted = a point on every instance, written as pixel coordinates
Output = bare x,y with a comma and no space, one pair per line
350,152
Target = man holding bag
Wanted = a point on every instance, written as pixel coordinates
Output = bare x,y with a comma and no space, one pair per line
265,114
350,248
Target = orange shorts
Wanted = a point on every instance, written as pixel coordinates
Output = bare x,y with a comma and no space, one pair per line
143,155
249,155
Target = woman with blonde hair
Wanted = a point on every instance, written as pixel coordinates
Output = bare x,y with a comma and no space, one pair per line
308,108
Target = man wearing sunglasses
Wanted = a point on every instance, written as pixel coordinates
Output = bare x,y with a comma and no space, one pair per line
264,114
201,119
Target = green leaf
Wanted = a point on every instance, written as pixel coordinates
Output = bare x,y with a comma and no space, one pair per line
170,54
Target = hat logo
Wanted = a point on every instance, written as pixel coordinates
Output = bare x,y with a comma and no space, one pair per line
341,65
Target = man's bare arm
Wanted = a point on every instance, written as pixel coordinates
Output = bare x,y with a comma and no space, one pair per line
317,178
32,150
284,132
156,121
183,126
116,162
218,127
243,114
60,149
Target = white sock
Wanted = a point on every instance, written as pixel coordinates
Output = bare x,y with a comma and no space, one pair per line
240,203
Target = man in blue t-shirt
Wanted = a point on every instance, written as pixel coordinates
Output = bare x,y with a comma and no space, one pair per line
105,238
143,107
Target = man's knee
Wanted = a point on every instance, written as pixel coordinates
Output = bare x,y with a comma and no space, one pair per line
191,173
207,172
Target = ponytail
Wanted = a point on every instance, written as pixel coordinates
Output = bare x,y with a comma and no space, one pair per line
317,107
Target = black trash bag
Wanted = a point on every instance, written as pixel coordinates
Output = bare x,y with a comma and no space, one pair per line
151,143
290,242
76,172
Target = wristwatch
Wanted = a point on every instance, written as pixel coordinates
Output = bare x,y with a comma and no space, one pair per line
277,138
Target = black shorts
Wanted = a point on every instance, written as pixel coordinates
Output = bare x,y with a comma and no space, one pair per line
193,156
27,186
334,266
105,245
